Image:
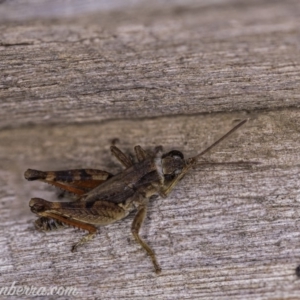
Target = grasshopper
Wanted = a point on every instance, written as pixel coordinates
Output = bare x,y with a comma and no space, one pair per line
104,198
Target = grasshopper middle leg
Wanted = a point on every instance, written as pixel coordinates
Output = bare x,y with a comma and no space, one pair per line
135,228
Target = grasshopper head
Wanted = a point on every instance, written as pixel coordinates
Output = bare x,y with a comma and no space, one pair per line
172,164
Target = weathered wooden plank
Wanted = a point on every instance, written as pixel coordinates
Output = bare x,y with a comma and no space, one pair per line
150,62
226,231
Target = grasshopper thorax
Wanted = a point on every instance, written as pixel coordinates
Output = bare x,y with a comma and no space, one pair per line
172,164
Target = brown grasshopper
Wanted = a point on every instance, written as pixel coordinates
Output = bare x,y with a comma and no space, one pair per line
104,198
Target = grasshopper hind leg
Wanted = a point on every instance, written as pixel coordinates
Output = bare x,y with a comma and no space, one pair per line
83,240
48,224
90,228
51,221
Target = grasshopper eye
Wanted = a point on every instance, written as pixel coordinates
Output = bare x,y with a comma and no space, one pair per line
172,164
174,153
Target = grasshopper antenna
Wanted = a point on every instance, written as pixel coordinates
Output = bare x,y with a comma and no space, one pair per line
193,160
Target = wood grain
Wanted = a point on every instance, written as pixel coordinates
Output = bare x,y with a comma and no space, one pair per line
150,62
173,75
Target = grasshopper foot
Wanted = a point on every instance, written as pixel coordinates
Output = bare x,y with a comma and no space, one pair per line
85,239
157,269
